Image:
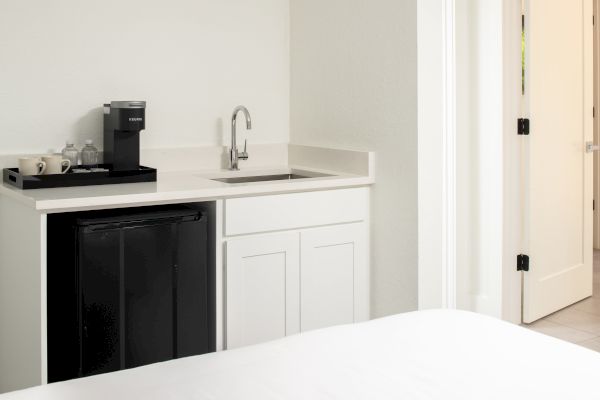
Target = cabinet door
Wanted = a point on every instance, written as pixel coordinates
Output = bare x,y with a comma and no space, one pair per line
334,276
263,276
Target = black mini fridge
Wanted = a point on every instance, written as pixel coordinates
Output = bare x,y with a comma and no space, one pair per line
128,288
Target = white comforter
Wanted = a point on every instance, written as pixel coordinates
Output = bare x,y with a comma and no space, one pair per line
425,355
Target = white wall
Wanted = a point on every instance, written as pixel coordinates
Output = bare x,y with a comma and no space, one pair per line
192,60
353,85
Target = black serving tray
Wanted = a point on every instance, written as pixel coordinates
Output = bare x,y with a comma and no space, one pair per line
142,174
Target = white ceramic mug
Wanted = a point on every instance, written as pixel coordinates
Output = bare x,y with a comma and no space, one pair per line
31,166
55,164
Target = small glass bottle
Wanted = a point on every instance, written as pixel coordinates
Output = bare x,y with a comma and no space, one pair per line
71,153
89,155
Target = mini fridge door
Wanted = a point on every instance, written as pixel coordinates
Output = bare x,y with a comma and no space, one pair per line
144,292
127,297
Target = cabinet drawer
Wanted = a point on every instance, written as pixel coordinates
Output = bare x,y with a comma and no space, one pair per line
296,210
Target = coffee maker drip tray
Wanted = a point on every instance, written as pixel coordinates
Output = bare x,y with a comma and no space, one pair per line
103,175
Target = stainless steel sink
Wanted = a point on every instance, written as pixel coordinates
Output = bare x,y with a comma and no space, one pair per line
266,178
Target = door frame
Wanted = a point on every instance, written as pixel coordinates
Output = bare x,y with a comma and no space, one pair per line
437,149
437,180
436,154
511,290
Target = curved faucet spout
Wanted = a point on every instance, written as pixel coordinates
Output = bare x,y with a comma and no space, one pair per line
246,114
234,155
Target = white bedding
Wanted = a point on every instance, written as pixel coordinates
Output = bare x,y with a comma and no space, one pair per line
424,355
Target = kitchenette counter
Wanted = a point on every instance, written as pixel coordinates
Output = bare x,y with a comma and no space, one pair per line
318,216
179,187
179,182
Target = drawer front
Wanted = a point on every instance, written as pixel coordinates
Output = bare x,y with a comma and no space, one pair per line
296,210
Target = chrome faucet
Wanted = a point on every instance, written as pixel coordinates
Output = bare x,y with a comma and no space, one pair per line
234,155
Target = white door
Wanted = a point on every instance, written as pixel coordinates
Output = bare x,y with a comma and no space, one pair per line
558,181
263,293
334,276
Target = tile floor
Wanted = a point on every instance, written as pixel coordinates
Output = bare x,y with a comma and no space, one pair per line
579,323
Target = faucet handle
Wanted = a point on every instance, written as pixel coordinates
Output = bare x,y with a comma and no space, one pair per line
244,154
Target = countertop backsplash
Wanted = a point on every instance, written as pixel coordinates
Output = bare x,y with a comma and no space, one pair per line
190,158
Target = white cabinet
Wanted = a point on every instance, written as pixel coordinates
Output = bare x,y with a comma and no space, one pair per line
263,288
299,279
333,276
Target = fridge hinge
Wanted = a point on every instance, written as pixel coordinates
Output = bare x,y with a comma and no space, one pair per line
522,262
523,126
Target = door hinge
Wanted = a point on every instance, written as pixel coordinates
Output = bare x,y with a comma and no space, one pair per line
523,126
522,262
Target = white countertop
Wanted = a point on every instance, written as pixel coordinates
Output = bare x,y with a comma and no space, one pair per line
178,187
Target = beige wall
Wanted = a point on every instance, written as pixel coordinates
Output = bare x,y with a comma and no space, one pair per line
192,60
353,85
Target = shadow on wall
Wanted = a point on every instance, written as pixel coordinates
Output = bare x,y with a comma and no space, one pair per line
220,132
221,140
89,126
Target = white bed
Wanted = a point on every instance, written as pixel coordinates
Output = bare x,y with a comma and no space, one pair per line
424,355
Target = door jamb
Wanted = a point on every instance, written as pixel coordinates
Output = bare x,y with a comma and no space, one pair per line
436,153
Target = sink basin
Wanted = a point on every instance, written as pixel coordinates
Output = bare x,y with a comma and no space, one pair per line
267,178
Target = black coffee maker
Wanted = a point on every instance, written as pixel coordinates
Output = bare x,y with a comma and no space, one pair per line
123,121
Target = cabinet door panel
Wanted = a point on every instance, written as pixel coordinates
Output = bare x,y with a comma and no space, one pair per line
334,277
262,288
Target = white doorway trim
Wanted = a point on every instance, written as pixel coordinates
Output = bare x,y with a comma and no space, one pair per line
437,153
449,295
513,159
489,272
